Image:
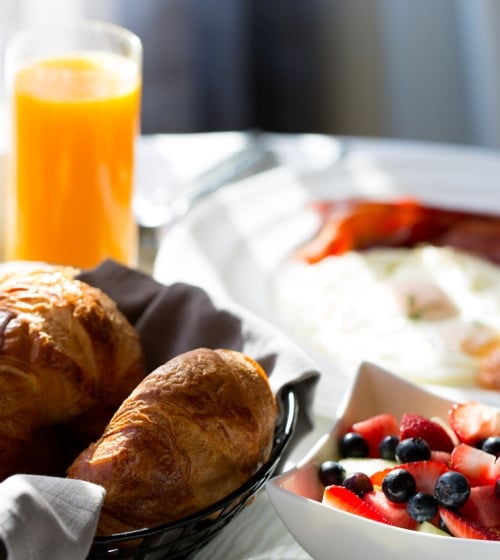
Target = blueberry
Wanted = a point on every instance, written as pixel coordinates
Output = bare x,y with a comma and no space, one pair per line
353,445
413,449
359,483
331,472
452,490
387,448
398,485
422,507
492,445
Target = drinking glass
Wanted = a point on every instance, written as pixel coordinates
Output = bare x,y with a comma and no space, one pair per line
73,94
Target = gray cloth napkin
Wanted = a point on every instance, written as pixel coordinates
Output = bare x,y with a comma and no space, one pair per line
44,517
49,517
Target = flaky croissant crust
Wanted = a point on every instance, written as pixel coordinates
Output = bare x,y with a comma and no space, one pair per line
191,432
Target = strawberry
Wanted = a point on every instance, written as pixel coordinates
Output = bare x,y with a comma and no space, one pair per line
460,526
378,477
483,506
425,474
395,513
473,421
479,467
346,500
375,428
416,425
441,456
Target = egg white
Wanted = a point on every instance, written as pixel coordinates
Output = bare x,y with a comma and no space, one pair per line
352,308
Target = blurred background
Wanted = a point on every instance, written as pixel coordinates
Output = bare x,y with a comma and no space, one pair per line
426,70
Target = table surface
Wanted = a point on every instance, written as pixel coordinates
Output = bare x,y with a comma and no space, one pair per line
257,533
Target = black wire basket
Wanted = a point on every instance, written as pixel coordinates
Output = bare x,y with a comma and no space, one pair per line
182,538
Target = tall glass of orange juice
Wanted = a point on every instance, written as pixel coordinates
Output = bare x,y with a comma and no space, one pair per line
74,93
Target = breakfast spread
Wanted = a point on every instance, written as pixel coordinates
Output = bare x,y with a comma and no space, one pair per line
411,288
421,473
77,402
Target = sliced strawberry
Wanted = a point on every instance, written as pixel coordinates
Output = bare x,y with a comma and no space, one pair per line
375,428
460,526
473,421
416,425
346,500
395,513
379,476
479,467
441,456
425,474
483,506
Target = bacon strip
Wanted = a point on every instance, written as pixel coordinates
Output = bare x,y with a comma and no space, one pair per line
357,224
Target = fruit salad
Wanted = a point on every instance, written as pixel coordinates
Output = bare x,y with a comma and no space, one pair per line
421,473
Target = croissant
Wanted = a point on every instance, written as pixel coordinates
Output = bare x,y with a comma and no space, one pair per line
65,349
190,433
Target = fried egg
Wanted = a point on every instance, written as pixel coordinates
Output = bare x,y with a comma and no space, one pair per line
426,313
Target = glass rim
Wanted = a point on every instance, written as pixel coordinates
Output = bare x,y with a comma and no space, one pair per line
112,29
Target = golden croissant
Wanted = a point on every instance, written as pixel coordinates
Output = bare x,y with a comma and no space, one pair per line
190,433
68,357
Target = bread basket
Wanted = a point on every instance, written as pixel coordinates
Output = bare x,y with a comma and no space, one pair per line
182,538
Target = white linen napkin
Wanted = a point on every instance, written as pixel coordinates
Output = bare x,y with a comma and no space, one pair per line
47,517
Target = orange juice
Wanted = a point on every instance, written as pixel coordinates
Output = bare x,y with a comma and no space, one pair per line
75,121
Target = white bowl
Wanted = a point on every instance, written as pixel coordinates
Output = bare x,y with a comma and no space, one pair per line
325,532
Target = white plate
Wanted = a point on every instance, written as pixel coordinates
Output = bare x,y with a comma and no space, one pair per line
321,529
232,243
